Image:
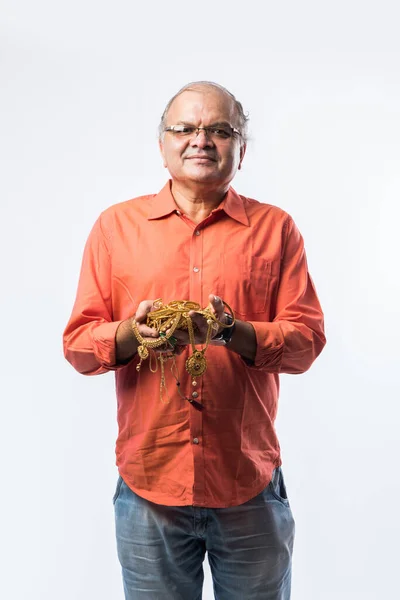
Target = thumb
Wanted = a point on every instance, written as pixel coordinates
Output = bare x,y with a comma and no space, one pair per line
143,309
216,304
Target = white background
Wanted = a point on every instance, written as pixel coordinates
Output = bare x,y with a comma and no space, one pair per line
83,85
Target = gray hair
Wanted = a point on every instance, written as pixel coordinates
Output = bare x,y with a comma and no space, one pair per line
242,117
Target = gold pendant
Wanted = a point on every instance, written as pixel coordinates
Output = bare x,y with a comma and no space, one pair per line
196,364
143,352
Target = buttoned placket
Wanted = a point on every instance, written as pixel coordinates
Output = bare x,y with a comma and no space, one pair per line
196,416
196,280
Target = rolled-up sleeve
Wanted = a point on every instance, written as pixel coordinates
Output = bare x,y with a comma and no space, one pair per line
89,338
295,337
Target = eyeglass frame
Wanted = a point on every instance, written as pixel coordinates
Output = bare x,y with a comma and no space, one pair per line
205,129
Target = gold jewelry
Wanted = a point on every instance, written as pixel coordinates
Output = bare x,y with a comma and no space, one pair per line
165,314
163,387
143,349
196,364
192,401
153,355
165,319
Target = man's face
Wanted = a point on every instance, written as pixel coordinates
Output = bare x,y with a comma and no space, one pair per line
201,158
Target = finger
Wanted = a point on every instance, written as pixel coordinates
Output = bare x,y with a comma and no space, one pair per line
144,307
146,331
216,301
180,336
217,305
200,322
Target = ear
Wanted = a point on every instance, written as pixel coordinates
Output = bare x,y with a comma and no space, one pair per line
161,147
242,153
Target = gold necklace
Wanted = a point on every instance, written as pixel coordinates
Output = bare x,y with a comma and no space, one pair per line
196,364
167,318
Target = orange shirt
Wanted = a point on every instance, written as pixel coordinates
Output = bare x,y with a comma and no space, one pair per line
251,255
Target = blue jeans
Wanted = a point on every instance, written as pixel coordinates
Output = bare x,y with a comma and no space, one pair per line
161,548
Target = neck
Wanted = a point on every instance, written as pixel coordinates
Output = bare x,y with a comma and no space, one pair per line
197,203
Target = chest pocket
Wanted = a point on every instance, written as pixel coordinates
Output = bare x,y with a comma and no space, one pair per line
245,283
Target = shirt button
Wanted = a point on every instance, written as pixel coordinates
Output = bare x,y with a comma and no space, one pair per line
195,395
195,440
197,232
196,269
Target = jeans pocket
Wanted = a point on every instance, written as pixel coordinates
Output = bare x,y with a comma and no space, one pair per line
277,486
118,489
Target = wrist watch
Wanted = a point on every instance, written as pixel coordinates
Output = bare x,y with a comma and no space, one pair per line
225,336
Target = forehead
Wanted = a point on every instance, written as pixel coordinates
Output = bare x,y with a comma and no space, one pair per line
202,105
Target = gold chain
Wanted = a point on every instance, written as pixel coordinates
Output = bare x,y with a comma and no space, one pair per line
162,317
163,386
165,319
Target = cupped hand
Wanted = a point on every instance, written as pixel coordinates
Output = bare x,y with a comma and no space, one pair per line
148,333
216,306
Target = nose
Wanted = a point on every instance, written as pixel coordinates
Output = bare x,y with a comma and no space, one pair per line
201,140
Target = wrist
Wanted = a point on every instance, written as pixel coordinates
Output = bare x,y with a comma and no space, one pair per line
125,341
224,337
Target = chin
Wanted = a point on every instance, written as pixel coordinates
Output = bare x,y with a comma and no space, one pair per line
203,174
205,179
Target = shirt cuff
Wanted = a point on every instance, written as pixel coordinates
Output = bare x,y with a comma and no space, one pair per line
270,346
104,347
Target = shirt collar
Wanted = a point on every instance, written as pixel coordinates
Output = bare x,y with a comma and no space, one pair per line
233,205
163,204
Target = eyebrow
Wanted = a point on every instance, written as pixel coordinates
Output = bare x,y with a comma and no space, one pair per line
217,124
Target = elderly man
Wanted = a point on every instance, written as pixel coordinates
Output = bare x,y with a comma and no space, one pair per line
198,457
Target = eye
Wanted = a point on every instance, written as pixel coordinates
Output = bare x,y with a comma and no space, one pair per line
184,130
220,132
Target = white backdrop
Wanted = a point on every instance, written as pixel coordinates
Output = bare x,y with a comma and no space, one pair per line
83,85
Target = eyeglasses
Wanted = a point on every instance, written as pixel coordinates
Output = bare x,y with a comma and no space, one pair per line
217,132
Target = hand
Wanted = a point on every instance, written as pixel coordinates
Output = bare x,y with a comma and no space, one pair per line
148,333
125,339
217,308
